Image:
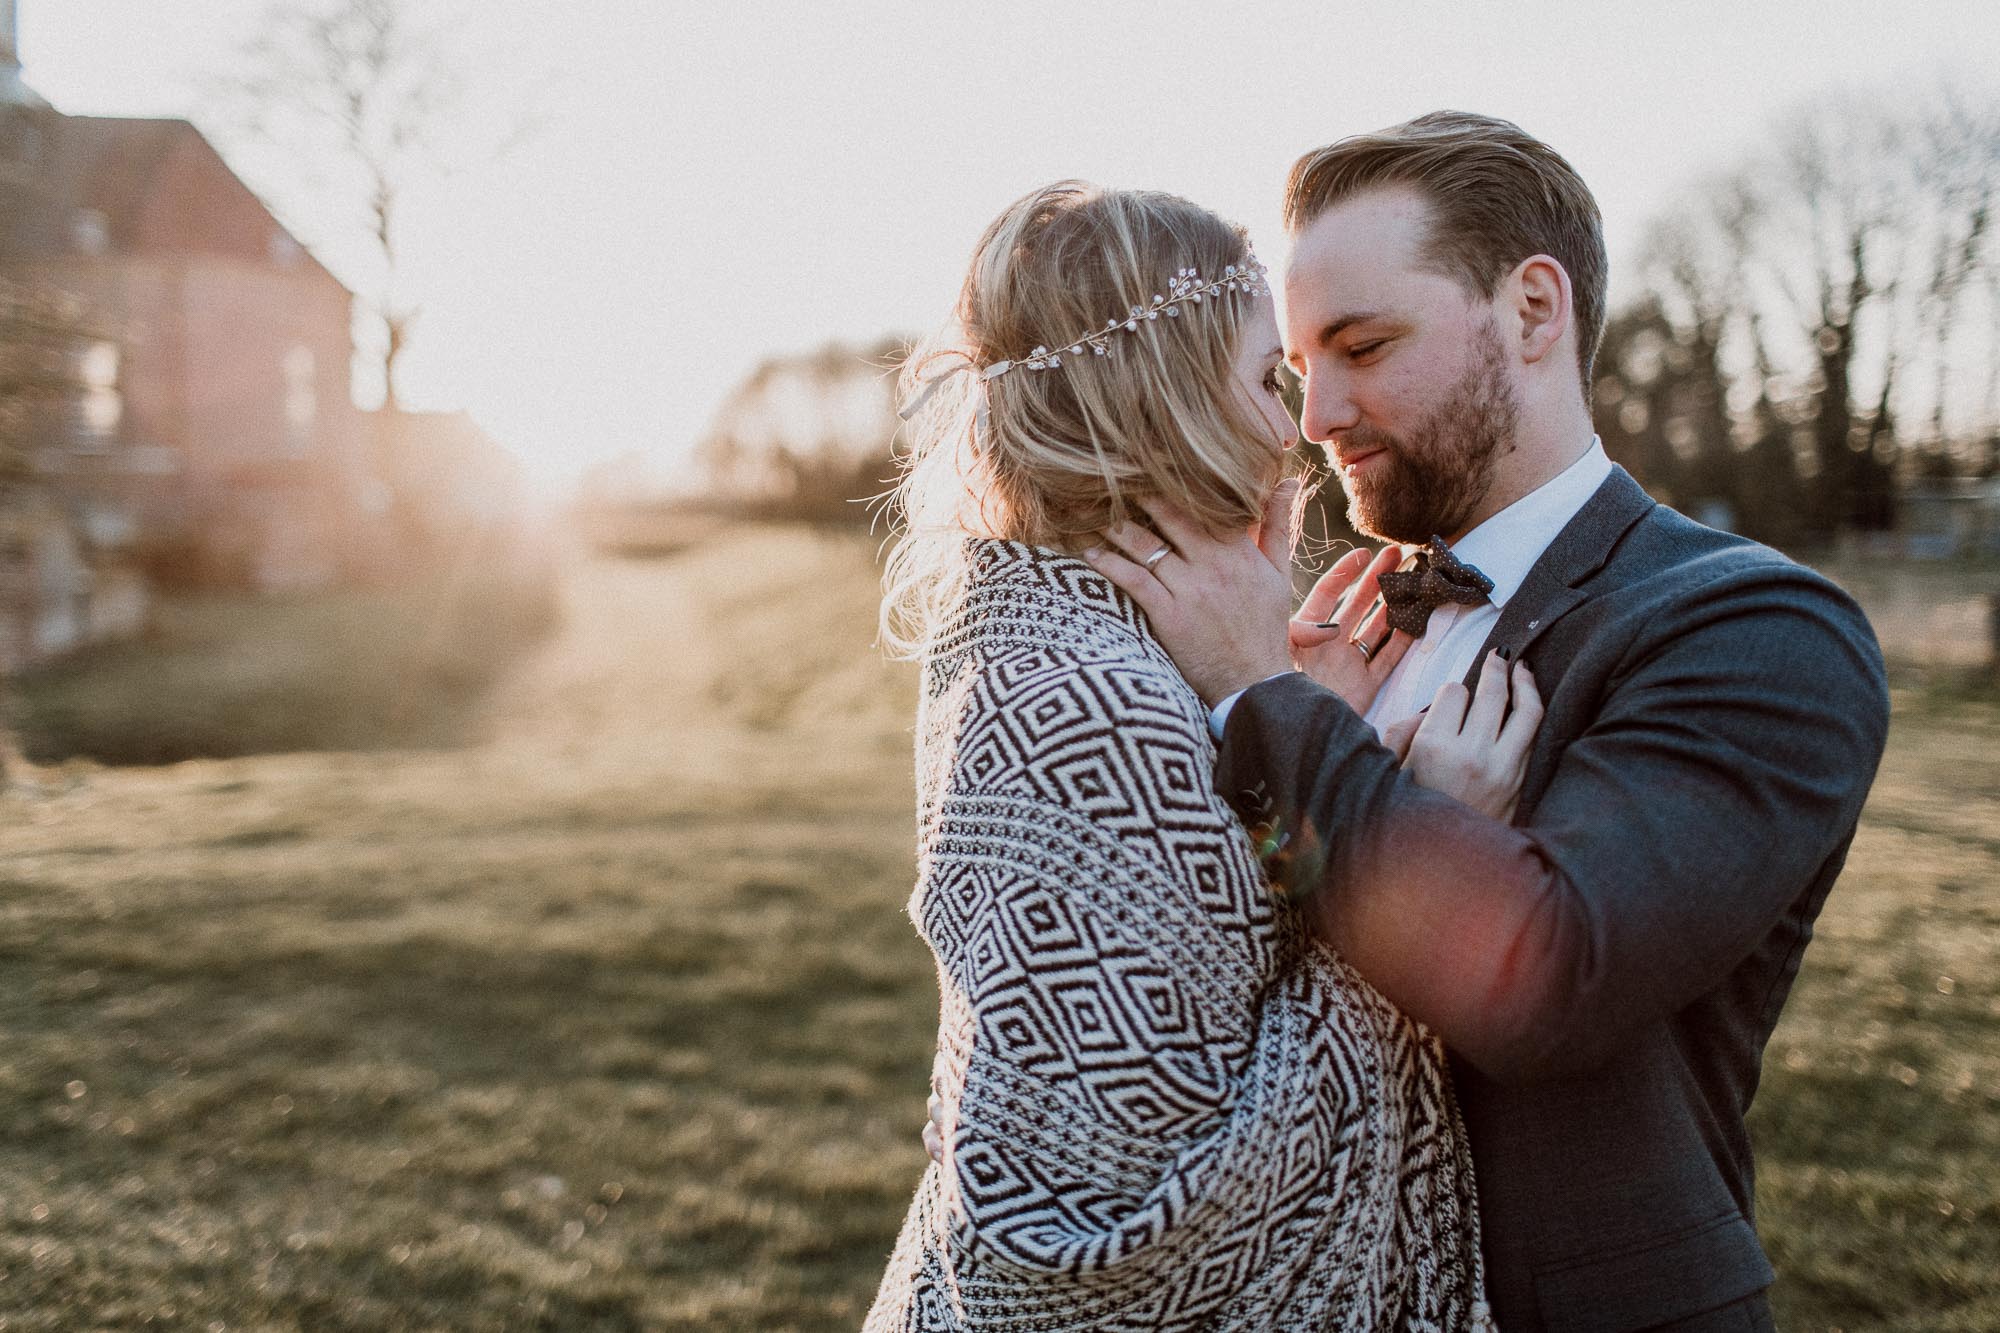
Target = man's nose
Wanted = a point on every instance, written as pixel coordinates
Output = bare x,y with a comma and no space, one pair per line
1328,409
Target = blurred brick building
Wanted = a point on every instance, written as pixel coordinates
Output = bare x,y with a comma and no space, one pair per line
221,349
214,430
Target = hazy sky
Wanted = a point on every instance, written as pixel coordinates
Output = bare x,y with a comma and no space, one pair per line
715,182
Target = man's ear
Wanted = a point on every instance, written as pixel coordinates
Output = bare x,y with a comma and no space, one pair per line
1542,308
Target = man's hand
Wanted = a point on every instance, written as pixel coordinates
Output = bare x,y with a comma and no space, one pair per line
1218,607
1335,617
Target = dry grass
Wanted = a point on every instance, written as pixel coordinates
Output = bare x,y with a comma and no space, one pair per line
1935,614
359,669
615,1021
1879,1120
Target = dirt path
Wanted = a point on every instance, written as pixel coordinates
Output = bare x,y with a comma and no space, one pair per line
690,667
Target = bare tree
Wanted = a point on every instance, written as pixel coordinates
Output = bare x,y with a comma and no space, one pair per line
1731,439
1838,249
363,103
1698,268
807,435
1841,280
1960,161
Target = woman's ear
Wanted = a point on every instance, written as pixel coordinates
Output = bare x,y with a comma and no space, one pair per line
1541,305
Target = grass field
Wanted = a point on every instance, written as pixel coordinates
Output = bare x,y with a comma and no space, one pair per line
612,1019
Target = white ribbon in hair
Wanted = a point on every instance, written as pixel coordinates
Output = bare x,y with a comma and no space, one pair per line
936,382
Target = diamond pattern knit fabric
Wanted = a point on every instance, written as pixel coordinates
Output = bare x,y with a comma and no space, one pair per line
1167,1107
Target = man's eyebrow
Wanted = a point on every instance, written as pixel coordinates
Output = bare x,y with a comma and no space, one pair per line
1341,325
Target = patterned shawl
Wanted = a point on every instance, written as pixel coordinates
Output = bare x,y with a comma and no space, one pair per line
1167,1108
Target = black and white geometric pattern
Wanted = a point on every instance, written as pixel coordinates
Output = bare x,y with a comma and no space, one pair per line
1168,1108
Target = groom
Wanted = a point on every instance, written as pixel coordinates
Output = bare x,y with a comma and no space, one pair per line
1607,968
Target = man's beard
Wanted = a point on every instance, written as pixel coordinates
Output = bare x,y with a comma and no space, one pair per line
1430,481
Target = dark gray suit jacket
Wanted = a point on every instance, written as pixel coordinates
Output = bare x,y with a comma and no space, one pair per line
1607,969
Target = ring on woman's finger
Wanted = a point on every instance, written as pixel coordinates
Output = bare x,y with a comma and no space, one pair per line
1367,653
1157,556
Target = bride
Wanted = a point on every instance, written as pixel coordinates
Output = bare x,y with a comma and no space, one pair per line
1162,1105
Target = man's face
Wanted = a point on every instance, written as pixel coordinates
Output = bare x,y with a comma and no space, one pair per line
1407,381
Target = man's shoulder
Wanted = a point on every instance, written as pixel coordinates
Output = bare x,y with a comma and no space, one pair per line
1666,541
1668,556
1673,577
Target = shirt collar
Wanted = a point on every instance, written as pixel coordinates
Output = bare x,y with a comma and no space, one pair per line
1506,546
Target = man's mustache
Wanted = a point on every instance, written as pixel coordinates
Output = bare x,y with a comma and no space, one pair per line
1362,440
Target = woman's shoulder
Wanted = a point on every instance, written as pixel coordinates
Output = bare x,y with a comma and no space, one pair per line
1057,677
1032,620
1013,589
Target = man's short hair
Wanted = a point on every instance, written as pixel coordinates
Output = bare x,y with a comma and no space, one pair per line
1496,195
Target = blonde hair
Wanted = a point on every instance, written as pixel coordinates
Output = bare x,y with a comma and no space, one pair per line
1054,457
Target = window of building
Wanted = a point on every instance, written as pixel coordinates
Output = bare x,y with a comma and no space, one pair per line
90,231
301,399
103,404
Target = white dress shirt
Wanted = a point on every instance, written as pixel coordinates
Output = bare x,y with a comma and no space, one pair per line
1504,548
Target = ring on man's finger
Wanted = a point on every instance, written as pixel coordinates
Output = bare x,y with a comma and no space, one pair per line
1157,556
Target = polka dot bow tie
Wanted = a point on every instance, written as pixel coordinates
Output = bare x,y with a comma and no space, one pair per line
1435,577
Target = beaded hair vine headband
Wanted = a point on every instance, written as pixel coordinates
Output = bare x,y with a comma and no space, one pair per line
1185,288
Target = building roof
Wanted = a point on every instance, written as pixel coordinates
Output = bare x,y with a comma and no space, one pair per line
156,184
111,164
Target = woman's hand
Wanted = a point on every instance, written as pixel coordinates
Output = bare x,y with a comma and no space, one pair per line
1328,629
1217,606
1475,748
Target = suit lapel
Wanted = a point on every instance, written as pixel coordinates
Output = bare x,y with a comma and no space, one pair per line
1554,587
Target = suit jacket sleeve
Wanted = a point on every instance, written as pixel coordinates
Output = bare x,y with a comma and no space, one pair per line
1726,762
